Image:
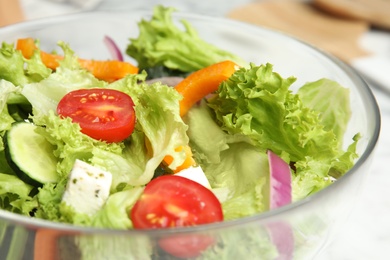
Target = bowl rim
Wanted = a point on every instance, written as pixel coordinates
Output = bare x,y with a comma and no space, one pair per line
356,78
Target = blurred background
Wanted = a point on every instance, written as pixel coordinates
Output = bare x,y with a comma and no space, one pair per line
356,31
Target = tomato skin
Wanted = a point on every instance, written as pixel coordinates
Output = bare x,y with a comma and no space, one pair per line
186,246
103,114
173,201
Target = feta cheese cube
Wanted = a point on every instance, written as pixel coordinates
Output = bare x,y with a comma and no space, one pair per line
88,188
195,174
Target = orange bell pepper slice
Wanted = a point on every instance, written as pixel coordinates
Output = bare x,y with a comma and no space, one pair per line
46,243
109,70
203,82
195,87
188,162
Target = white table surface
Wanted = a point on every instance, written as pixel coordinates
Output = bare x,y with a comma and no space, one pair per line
367,233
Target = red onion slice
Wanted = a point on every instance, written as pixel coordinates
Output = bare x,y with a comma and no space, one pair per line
282,236
280,181
113,48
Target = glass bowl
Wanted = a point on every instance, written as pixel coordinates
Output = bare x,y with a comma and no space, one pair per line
299,230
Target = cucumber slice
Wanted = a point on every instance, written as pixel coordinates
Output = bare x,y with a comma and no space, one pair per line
30,155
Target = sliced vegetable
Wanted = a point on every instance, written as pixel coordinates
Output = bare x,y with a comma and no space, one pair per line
186,246
113,48
103,114
46,244
282,236
109,70
30,155
203,82
26,47
174,201
280,181
188,162
16,69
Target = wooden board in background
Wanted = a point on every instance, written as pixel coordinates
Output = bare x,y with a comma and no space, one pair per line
333,34
376,12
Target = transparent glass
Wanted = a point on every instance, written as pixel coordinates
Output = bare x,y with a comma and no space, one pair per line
297,231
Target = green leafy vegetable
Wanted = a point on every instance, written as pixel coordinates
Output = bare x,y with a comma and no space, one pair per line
335,116
158,118
159,130
106,246
257,243
230,133
18,70
257,103
232,163
45,95
7,90
162,42
14,195
49,198
115,213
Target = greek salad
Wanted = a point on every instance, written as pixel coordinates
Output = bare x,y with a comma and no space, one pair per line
110,144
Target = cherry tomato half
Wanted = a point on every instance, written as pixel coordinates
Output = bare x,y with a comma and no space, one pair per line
103,114
186,246
175,201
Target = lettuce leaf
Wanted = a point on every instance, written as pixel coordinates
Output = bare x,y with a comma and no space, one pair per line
70,144
18,70
162,43
158,131
203,131
231,163
130,162
126,167
334,117
158,118
7,89
14,195
49,199
45,95
258,245
258,103
115,213
106,246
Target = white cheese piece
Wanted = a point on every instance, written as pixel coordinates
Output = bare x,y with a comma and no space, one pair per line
195,174
88,188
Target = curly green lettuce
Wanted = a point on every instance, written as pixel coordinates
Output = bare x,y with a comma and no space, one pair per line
258,103
18,70
335,116
162,43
